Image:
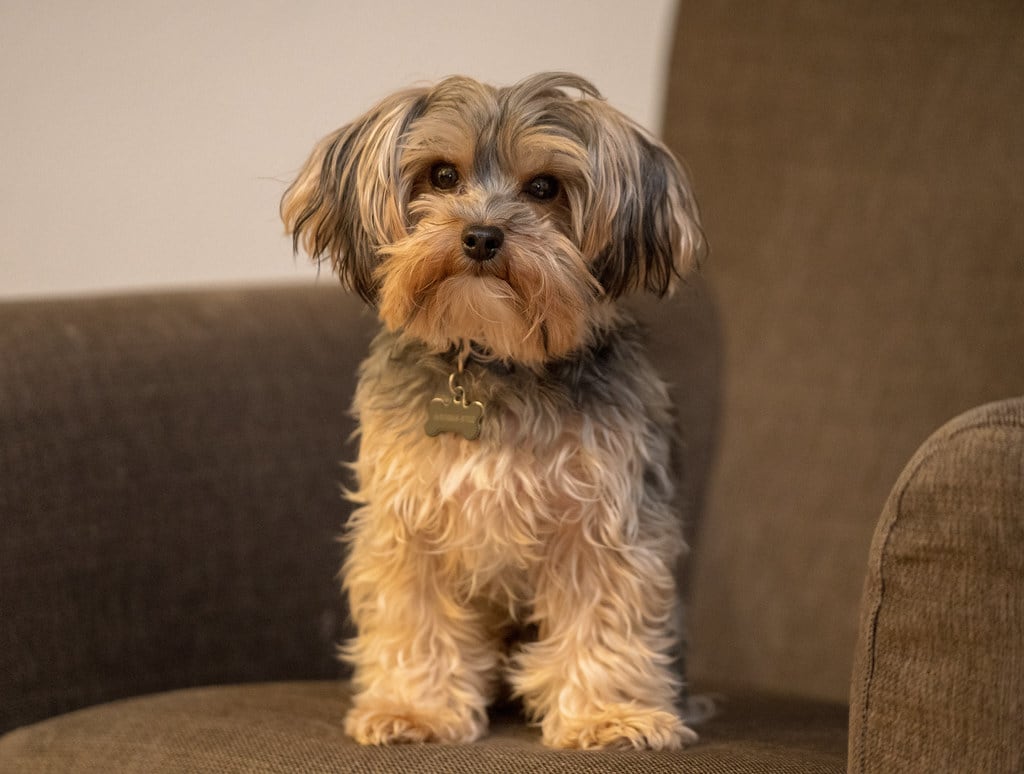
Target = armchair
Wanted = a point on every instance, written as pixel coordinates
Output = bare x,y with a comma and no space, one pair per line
169,463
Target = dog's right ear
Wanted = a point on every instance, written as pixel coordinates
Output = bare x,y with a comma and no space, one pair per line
349,198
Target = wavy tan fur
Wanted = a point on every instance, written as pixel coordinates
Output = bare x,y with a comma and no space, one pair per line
561,516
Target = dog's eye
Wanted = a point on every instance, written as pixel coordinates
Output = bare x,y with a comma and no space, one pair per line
542,187
444,176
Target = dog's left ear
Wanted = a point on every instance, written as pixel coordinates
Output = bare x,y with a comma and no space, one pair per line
348,200
642,225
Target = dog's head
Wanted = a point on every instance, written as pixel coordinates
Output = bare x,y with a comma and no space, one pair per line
507,217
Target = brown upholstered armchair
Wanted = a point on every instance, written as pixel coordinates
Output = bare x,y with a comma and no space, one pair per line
168,476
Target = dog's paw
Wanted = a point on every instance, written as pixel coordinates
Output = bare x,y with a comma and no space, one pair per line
389,723
619,726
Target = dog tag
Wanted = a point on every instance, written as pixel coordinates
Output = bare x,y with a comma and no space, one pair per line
455,414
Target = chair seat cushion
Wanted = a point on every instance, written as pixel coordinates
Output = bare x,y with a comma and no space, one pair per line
296,727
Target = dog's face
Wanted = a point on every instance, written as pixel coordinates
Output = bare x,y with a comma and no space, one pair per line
509,218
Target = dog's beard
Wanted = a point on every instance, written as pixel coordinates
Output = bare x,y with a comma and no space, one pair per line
535,302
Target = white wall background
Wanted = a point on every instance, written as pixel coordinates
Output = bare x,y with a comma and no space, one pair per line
146,144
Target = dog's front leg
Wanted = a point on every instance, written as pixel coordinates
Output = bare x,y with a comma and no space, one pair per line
599,675
423,662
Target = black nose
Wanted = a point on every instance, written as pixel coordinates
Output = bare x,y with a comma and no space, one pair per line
481,243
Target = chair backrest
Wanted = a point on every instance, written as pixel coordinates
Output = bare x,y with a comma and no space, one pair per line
860,167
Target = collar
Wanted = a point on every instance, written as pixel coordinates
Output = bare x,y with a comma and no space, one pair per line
459,357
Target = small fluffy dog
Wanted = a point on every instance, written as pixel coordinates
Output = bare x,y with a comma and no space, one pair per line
514,462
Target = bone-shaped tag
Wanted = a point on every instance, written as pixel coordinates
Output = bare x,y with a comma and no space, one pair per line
451,416
454,415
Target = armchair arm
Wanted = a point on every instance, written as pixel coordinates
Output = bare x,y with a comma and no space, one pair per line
938,680
169,491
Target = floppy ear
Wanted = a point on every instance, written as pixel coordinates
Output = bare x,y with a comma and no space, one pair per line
348,200
643,227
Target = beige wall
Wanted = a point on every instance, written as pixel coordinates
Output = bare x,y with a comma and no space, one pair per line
146,144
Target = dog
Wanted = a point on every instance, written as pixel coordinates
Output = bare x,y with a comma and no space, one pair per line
515,442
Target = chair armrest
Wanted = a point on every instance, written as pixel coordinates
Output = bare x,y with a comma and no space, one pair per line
938,680
169,491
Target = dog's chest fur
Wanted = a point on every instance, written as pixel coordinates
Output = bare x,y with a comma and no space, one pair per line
578,452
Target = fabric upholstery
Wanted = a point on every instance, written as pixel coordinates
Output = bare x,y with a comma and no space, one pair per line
938,683
860,167
169,491
296,727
